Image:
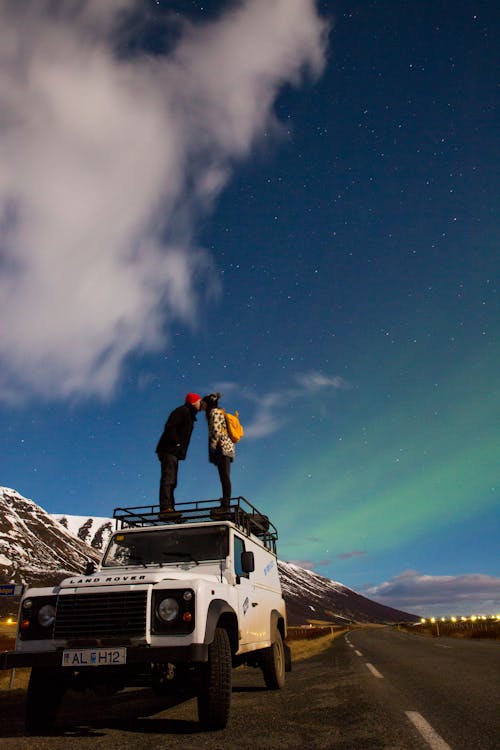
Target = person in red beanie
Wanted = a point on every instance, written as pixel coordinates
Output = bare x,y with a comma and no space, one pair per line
172,448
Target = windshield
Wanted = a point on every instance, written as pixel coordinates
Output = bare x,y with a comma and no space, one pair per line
167,546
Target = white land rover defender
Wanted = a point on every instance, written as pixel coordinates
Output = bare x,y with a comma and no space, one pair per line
170,606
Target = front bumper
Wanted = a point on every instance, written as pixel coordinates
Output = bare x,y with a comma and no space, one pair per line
196,652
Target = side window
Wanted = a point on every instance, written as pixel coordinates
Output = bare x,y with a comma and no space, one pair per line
239,547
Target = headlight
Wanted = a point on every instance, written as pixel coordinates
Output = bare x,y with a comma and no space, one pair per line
38,615
47,615
168,609
173,612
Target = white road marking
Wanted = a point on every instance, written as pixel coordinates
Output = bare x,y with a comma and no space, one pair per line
374,671
358,653
351,646
432,738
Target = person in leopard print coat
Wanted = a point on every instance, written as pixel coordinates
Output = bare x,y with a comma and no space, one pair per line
221,451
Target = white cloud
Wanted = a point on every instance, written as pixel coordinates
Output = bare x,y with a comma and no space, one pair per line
468,594
270,407
265,422
106,164
270,415
316,381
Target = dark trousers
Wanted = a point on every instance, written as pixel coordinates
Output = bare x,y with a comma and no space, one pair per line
223,464
168,479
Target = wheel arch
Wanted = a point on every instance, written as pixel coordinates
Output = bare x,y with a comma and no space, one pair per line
221,614
278,623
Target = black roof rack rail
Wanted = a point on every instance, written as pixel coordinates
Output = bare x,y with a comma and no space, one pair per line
241,512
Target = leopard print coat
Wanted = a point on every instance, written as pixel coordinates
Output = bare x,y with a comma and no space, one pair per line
218,439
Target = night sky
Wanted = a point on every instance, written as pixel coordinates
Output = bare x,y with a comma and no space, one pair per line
294,203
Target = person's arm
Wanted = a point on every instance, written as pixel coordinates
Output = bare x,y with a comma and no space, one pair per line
173,425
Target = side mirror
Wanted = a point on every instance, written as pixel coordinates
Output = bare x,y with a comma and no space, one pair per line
247,562
89,568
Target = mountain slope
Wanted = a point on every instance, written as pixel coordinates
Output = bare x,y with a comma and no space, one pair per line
33,547
93,530
311,598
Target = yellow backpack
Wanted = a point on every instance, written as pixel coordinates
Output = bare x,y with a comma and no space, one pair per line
234,427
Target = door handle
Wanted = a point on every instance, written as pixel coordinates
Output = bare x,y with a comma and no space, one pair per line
255,604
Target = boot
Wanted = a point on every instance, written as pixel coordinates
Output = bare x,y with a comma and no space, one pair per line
167,509
223,512
169,514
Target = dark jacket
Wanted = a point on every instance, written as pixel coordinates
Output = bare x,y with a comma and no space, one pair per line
177,432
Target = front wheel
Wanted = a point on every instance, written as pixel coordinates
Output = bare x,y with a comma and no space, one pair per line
45,690
273,663
214,696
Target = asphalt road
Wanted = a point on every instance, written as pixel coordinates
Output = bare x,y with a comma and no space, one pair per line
445,686
418,693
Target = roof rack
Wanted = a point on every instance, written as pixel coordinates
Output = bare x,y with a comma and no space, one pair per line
241,512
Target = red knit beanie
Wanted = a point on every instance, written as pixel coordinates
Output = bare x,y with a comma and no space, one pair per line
192,398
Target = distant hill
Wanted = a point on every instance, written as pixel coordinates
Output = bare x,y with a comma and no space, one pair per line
41,549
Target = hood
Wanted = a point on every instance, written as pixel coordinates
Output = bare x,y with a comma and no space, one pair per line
114,577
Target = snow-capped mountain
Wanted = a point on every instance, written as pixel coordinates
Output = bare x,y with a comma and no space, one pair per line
93,530
33,546
41,549
311,598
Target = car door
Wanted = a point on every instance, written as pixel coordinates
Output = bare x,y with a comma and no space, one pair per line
248,607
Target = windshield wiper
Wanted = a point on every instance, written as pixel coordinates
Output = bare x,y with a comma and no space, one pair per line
181,555
137,559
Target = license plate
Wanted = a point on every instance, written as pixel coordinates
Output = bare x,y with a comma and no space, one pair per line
94,657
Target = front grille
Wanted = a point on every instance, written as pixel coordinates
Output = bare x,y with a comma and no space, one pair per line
114,614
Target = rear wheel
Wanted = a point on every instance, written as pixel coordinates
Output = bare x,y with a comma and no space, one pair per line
45,690
273,663
214,696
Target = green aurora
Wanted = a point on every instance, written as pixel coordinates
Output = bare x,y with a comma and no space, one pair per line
411,471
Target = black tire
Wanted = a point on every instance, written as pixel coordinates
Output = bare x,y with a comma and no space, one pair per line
214,696
273,663
45,690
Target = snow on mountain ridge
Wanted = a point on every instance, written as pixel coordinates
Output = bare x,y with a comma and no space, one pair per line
94,530
310,580
32,545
